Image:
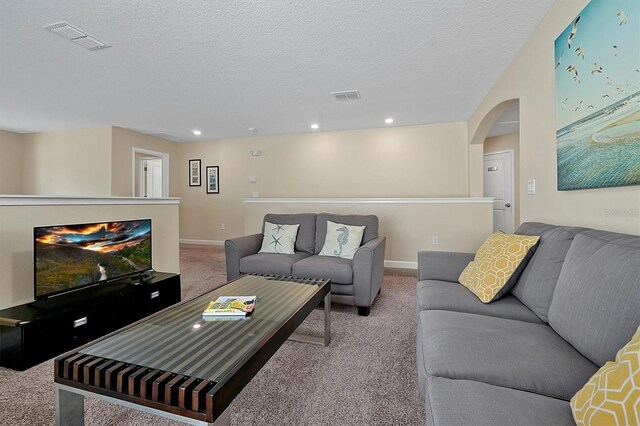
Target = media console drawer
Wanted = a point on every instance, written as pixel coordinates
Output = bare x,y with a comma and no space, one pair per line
35,332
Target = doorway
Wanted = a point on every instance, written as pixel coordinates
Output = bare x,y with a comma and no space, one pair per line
149,173
499,184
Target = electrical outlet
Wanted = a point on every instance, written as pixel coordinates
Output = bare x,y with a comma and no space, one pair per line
252,179
531,187
222,226
435,240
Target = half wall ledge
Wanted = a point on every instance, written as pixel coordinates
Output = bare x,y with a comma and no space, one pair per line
54,200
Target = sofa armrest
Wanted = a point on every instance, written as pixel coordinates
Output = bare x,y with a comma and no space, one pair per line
237,248
368,269
442,265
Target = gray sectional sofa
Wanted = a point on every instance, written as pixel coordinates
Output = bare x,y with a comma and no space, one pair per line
353,282
519,360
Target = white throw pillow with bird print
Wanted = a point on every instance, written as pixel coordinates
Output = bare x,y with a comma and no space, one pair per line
342,240
279,238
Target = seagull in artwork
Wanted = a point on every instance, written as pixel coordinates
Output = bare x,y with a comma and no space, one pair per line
559,60
596,68
609,81
615,50
622,18
605,96
590,106
564,103
572,69
574,29
577,108
580,52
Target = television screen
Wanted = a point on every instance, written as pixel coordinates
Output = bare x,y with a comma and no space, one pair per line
71,256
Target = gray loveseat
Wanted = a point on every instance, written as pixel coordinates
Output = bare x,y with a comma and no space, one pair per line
519,360
353,282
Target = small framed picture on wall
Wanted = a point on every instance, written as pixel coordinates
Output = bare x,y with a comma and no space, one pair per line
194,173
213,180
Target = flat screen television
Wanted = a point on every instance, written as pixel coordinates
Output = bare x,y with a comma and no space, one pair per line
69,257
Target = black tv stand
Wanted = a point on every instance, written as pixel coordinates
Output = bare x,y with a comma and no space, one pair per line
37,331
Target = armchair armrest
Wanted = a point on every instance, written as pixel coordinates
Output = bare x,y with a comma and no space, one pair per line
442,265
368,269
237,248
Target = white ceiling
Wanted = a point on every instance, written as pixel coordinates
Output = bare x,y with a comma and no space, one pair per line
225,66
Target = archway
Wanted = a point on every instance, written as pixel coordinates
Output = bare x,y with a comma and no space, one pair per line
496,141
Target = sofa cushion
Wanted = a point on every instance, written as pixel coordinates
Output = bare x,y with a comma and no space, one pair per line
338,270
596,303
538,280
370,221
612,395
501,352
341,240
465,402
305,241
279,238
497,265
270,263
448,296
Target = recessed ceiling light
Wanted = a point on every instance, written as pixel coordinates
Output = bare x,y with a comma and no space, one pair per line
197,325
389,120
197,132
315,126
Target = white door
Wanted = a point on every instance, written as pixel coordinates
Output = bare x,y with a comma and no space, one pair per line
152,176
498,183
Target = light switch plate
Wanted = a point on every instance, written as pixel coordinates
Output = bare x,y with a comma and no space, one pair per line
531,187
252,179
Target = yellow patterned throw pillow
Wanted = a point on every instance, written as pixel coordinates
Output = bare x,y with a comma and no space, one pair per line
612,395
497,265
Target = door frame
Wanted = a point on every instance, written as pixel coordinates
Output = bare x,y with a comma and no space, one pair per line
165,168
511,153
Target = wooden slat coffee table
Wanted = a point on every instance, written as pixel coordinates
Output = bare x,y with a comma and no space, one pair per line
177,365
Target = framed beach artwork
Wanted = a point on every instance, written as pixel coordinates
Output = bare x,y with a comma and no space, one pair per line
597,60
213,180
194,173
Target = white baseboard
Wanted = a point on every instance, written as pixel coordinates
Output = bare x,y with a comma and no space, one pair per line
400,264
387,263
202,242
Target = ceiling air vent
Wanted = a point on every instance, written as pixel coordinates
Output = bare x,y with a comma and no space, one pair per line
76,35
346,95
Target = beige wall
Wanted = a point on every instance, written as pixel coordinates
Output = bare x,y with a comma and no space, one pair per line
504,143
11,152
16,244
68,162
123,142
408,226
411,161
530,78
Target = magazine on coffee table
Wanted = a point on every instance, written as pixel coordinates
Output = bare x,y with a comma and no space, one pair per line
230,306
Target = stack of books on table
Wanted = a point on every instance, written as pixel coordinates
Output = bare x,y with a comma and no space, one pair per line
230,307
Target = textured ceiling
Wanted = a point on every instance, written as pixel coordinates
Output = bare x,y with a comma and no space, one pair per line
225,66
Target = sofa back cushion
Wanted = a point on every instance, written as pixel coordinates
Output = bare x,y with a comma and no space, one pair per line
538,280
369,220
596,303
305,241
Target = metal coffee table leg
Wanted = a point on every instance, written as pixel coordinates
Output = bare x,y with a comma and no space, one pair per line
314,340
69,408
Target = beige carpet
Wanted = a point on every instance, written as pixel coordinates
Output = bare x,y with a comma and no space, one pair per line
367,376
